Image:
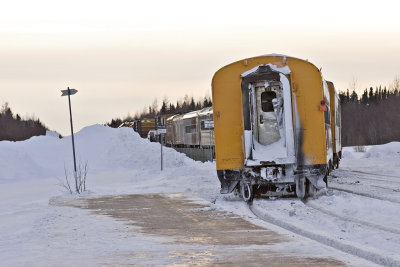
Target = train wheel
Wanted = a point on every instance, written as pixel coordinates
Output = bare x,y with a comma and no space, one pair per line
330,167
301,187
246,191
311,189
325,179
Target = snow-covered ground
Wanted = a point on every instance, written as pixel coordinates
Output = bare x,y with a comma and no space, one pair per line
34,232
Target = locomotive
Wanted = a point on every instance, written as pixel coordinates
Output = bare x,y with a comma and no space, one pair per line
276,127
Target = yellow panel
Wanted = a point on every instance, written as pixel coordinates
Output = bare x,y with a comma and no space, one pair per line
333,103
228,120
228,114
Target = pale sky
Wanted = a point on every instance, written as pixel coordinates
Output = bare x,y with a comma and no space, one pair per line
121,55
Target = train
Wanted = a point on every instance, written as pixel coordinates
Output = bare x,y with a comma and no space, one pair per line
277,127
336,125
149,128
274,128
191,130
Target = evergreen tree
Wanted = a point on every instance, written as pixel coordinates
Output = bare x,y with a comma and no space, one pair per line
205,102
354,97
172,109
14,128
371,95
385,93
342,97
364,97
192,105
376,94
198,105
163,109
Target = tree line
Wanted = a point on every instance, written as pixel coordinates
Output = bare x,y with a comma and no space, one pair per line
370,118
15,128
185,105
373,117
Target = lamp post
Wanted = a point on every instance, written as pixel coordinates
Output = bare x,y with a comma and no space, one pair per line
69,92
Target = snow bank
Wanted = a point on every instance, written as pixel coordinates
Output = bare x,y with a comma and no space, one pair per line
102,147
390,150
119,160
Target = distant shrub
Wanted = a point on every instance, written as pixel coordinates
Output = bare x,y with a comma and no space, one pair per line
360,149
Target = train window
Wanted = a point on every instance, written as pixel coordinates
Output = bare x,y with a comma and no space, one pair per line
338,119
266,101
327,116
207,125
190,129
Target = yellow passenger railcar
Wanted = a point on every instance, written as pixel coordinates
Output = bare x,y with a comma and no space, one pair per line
336,125
272,127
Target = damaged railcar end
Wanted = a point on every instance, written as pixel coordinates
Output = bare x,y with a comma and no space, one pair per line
272,127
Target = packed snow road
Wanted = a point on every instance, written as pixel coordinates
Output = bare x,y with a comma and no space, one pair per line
195,232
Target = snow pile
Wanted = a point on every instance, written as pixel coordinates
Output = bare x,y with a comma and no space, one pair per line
119,161
102,147
390,150
348,153
383,159
52,133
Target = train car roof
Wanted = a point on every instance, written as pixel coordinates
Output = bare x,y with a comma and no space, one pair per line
177,117
172,117
284,59
191,114
206,111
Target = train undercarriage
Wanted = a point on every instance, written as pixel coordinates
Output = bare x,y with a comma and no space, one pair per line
274,181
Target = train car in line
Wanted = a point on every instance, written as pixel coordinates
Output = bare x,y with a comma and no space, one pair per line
206,127
175,131
150,128
336,125
143,126
191,130
272,127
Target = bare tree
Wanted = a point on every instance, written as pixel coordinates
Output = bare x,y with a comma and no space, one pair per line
354,86
154,106
79,178
395,86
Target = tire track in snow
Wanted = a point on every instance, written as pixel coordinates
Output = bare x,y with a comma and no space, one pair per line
344,246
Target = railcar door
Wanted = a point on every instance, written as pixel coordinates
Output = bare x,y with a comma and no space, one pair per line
268,117
267,131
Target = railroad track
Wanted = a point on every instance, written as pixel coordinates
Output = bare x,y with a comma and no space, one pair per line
370,176
382,188
353,219
324,237
365,194
370,173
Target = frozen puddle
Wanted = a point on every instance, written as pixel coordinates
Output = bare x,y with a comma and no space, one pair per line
196,234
